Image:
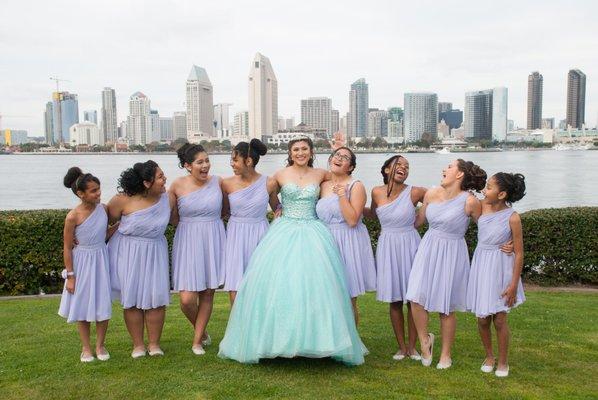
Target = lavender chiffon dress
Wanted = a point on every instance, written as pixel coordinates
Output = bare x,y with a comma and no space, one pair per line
246,227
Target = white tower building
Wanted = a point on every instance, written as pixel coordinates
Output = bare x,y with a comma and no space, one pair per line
263,98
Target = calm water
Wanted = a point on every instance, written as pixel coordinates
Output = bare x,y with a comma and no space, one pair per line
553,178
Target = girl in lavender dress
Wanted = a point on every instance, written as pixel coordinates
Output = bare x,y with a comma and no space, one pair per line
86,294
438,279
139,253
494,280
198,246
248,194
340,207
394,205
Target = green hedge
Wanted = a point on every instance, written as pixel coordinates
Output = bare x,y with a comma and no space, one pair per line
561,247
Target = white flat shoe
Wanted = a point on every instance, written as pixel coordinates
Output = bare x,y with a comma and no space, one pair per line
198,350
207,341
86,358
416,356
156,352
502,373
138,353
398,356
104,356
487,368
426,362
444,365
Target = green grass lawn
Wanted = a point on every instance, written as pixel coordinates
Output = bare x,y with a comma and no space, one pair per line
554,354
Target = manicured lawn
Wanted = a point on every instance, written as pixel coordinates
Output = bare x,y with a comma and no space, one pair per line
554,355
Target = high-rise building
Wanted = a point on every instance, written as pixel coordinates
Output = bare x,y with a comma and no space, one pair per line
122,130
444,131
478,114
334,121
200,106
166,131
86,133
421,115
48,125
453,118
109,119
138,121
377,123
90,116
576,99
154,126
65,113
395,114
358,109
179,125
343,124
316,113
395,130
548,123
241,124
222,120
263,98
535,84
500,104
443,107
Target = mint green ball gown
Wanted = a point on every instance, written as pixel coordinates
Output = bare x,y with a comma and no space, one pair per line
293,300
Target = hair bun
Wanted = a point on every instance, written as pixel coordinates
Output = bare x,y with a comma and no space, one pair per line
71,176
474,177
258,146
513,184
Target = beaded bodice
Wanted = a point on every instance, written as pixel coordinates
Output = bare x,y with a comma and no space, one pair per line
299,202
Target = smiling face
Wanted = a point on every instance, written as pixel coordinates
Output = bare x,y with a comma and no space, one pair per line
492,193
200,167
451,174
159,184
340,162
300,153
92,193
239,164
401,170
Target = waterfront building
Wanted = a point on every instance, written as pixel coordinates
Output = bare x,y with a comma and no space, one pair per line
222,120
485,115
48,124
395,114
443,130
377,123
109,117
443,107
13,137
200,106
166,129
86,133
179,125
453,118
500,104
576,99
535,84
334,121
138,121
65,113
421,114
357,124
263,98
316,113
548,123
90,116
241,124
155,135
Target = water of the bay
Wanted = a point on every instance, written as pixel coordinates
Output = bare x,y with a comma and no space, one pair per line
553,178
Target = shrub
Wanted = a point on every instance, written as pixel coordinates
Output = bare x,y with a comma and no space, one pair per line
561,247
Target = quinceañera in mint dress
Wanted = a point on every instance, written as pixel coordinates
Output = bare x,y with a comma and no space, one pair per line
293,300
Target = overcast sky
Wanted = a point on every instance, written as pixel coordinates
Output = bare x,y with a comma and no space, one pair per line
317,48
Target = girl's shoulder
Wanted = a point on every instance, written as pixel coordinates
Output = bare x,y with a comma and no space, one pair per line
515,218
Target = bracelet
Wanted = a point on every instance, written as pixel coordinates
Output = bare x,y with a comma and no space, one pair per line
66,274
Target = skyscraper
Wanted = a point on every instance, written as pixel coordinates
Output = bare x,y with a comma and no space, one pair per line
65,113
48,125
500,103
576,99
453,118
358,109
241,124
166,133
263,98
334,121
109,121
395,114
478,114
316,113
535,84
138,121
154,126
200,106
222,120
377,123
90,116
444,106
421,115
179,125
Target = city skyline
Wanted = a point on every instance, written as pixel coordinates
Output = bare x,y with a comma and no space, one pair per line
402,60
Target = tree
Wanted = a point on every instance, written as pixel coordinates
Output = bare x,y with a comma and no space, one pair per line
379,143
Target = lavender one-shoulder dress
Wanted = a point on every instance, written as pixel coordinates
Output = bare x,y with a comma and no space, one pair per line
91,300
491,269
139,258
397,246
354,245
246,227
438,279
198,246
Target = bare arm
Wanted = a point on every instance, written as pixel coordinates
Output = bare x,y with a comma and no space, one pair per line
68,237
174,210
510,294
370,212
272,187
473,207
225,212
115,208
351,209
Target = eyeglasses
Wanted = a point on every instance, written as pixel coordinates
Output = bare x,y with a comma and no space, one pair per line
342,157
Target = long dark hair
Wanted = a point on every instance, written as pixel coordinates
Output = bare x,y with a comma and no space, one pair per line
387,178
310,143
352,161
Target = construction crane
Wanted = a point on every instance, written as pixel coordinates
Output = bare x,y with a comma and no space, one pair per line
58,80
